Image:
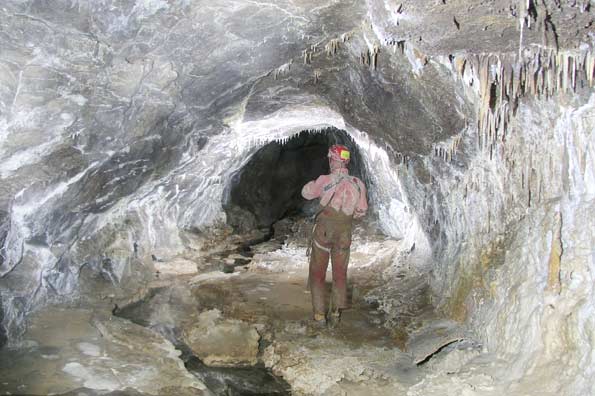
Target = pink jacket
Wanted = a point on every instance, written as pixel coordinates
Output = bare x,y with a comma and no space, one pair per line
345,193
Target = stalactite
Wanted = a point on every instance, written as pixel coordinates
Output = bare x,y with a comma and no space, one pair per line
306,57
504,80
366,58
559,78
401,46
317,75
484,79
500,79
375,52
523,179
567,73
332,47
460,63
590,67
540,83
554,262
539,186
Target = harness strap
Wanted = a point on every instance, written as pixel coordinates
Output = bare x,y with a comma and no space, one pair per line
340,178
318,245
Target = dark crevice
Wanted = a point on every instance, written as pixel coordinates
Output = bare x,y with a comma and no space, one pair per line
234,381
436,352
268,188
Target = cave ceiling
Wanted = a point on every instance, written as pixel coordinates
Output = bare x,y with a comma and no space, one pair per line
141,81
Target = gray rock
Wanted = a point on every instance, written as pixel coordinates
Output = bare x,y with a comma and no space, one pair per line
222,342
74,348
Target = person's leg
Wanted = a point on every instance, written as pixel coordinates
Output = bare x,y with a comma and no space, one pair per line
340,262
317,274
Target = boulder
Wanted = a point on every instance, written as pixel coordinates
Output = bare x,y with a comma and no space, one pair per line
222,342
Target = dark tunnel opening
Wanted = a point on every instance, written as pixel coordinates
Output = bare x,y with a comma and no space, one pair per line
268,188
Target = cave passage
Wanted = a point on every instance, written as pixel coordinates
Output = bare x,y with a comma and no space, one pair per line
268,188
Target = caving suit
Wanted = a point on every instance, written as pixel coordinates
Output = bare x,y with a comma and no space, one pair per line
342,197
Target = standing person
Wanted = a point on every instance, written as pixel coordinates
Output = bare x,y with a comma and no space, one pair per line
342,198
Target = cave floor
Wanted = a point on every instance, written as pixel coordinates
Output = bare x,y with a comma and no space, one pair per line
383,344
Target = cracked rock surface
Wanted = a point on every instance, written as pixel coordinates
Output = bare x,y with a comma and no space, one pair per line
95,352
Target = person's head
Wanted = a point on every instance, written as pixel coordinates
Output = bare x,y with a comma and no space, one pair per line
338,156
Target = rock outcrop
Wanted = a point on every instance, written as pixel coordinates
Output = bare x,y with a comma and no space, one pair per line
222,342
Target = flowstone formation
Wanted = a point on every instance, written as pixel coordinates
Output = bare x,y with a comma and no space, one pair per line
127,127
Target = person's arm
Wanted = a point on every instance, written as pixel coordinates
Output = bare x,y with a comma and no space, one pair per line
313,189
362,204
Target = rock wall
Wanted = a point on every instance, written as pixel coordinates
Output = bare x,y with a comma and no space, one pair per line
505,201
507,210
523,279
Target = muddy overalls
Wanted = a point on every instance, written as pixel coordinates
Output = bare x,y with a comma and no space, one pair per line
331,238
343,197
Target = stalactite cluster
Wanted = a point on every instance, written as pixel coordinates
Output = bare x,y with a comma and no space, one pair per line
448,152
396,45
332,47
370,58
503,81
317,75
307,56
532,170
282,70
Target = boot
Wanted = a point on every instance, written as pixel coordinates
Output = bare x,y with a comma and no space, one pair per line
334,318
319,321
316,325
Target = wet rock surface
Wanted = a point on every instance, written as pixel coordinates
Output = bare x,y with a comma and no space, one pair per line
68,348
220,342
238,381
366,351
